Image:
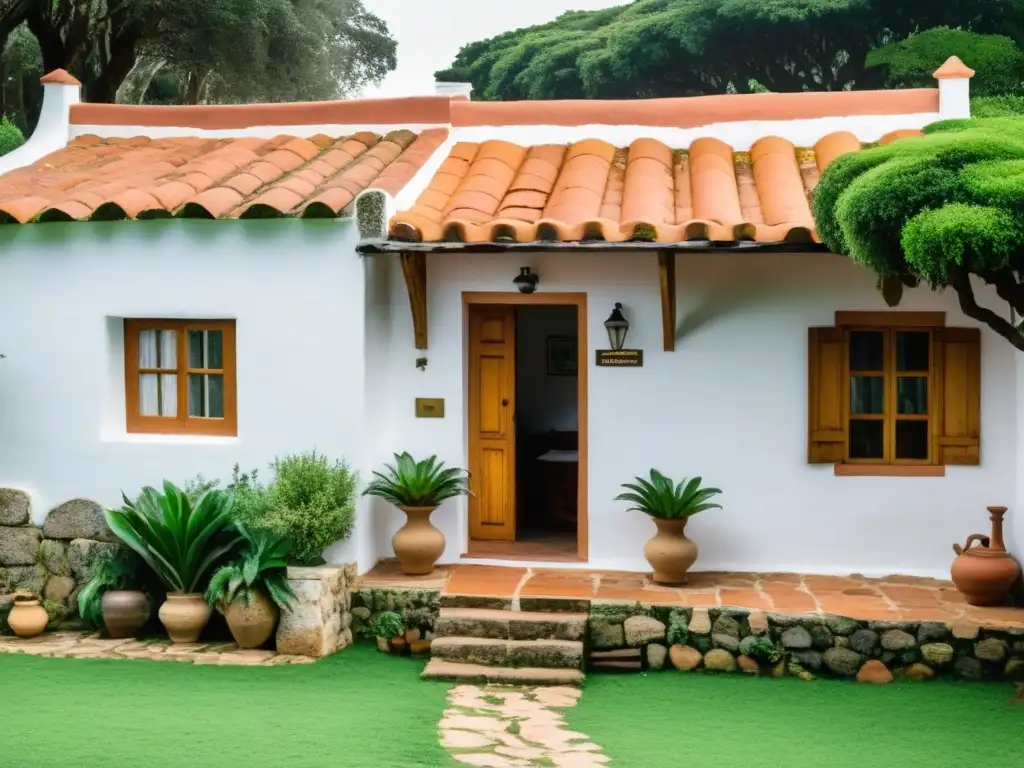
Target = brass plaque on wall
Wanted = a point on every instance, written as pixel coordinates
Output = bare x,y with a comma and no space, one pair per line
620,358
430,407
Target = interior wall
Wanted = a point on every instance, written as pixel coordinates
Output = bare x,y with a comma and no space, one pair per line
544,402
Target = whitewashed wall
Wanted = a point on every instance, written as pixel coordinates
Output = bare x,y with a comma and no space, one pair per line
296,291
729,404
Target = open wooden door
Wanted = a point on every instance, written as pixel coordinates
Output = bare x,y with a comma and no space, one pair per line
492,436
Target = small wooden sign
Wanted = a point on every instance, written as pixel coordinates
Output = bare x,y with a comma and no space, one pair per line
430,407
620,358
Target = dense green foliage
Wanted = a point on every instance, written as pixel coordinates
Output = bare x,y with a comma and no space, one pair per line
941,209
262,566
182,543
411,483
910,63
386,624
10,136
111,570
680,47
1007,105
660,497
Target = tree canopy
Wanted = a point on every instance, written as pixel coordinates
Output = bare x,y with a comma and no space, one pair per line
652,48
939,209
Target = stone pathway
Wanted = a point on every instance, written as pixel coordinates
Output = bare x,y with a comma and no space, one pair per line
86,645
496,726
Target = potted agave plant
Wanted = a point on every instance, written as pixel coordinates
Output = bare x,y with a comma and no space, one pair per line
670,505
182,543
418,488
251,590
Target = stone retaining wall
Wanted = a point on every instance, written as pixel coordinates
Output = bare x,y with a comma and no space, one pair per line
320,621
51,561
728,640
419,608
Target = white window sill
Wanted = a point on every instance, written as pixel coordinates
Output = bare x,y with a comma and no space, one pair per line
147,439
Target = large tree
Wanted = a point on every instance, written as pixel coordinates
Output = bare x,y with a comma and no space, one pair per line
946,209
680,47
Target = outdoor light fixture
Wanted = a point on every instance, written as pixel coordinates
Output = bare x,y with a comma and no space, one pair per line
617,326
526,281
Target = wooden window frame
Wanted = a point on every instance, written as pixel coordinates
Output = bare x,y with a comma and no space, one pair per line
182,424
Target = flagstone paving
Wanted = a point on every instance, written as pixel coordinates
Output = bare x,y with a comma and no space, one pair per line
89,645
497,726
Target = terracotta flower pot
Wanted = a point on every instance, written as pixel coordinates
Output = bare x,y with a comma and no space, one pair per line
398,645
669,552
125,612
184,616
252,625
417,544
27,618
985,573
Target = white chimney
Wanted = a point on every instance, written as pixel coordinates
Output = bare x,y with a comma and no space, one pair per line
954,89
60,92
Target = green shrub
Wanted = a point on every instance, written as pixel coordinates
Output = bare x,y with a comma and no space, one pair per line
386,624
678,629
1007,105
761,648
10,136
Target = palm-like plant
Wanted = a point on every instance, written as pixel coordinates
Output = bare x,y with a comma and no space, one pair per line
661,498
182,543
263,565
411,483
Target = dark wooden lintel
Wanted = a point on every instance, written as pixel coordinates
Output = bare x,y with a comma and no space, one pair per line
414,268
667,275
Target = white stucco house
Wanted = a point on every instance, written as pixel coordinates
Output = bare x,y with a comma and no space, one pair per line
187,288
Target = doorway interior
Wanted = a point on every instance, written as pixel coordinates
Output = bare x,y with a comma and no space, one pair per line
527,426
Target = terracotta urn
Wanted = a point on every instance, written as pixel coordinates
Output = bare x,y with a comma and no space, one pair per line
27,618
125,612
418,544
669,552
983,570
184,616
252,625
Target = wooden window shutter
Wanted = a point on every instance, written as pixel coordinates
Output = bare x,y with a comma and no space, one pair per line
826,356
956,428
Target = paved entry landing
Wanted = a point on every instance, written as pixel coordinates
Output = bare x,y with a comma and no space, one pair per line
894,598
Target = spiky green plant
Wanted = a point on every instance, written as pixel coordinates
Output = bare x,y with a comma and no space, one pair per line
117,569
386,624
411,483
262,566
182,543
660,497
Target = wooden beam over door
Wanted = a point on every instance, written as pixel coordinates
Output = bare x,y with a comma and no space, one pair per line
414,268
667,272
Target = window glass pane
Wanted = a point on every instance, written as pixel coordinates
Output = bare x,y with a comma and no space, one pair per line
866,439
912,395
205,349
158,394
912,440
912,350
206,395
867,350
158,349
867,394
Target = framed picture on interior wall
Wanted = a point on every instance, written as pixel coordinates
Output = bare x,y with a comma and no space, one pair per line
562,360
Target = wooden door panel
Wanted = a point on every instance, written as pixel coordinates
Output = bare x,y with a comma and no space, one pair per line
492,356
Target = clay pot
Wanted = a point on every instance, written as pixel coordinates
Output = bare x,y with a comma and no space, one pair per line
125,612
383,645
27,618
985,573
418,647
417,544
669,552
184,616
252,625
398,645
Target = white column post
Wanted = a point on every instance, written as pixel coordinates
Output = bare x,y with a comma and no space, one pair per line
954,89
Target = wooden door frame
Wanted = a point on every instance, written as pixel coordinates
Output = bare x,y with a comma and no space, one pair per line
579,301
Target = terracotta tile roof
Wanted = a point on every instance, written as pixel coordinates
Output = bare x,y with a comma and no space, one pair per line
94,178
591,190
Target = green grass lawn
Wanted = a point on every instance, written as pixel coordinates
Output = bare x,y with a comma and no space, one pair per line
669,719
357,708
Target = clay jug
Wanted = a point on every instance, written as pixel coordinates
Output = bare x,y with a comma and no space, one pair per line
417,544
125,612
669,552
985,573
184,616
27,618
252,625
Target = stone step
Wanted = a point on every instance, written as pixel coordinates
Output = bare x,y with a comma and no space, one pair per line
439,669
549,654
510,625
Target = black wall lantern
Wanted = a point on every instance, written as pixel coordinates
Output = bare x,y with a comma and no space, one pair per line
617,326
526,281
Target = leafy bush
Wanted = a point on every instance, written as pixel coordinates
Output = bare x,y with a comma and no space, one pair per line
662,498
678,629
761,648
1006,105
252,500
386,624
118,569
182,544
10,136
411,483
262,567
